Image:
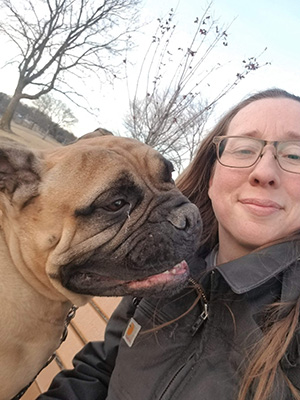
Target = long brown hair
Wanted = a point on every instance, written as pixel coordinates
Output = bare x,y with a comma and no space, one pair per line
264,365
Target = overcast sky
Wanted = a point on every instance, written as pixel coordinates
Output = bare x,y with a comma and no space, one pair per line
257,24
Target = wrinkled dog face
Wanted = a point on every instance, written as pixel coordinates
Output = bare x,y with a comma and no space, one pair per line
104,218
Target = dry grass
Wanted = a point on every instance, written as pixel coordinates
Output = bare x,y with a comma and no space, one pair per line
28,138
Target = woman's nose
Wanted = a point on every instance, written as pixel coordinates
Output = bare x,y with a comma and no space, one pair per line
266,172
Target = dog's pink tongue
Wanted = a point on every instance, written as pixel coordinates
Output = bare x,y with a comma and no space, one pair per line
177,273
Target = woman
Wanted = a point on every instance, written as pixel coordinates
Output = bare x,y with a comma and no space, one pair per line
235,334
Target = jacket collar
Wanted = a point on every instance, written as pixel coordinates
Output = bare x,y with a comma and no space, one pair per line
251,271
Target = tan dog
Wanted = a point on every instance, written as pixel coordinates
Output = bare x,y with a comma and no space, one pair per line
99,217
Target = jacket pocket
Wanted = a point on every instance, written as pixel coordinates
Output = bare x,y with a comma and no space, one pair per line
150,311
171,313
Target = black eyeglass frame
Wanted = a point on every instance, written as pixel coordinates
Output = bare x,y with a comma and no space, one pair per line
217,140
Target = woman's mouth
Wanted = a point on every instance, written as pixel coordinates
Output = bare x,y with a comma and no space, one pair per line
261,207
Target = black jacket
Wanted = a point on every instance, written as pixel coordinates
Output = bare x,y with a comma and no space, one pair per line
192,358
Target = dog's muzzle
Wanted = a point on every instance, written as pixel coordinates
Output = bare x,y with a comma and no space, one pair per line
152,259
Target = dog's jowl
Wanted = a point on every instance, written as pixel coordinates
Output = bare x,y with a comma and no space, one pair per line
99,217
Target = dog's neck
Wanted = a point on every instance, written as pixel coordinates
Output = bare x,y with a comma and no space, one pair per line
15,289
31,327
12,263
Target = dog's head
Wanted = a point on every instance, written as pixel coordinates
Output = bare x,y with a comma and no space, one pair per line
101,216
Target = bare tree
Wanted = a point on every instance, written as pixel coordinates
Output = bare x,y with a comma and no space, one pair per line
168,109
56,110
60,41
177,134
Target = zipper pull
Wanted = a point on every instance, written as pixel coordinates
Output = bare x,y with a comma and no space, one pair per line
202,317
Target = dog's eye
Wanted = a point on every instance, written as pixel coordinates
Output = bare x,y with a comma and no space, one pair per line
167,172
115,205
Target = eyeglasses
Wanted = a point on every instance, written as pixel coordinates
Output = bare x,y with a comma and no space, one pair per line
243,152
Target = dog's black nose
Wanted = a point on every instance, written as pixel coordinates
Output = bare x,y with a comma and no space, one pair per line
178,219
184,217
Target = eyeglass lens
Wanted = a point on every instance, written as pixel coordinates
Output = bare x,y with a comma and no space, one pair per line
243,152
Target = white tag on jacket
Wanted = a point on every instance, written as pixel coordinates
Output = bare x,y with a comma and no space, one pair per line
131,332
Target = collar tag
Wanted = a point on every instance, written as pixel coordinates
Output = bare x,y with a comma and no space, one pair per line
131,332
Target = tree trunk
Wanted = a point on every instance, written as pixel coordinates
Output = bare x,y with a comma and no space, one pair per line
5,122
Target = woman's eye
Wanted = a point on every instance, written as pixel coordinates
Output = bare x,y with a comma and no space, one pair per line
115,205
244,151
295,157
241,151
291,153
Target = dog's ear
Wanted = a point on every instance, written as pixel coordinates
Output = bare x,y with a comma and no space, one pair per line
96,133
20,171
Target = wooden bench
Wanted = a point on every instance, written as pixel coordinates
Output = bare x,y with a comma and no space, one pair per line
88,325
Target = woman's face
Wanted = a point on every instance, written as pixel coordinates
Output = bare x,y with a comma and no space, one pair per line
259,204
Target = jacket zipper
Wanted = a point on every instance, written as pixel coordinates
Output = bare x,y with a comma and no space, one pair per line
198,323
200,320
171,381
204,315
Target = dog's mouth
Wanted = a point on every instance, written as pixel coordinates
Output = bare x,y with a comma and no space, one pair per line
94,284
